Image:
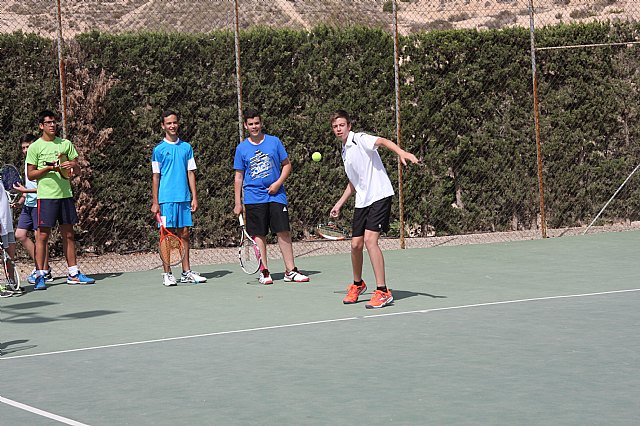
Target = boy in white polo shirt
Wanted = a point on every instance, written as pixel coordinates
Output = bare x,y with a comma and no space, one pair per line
369,181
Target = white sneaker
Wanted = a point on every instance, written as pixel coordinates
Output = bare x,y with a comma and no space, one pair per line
295,276
192,277
168,279
265,277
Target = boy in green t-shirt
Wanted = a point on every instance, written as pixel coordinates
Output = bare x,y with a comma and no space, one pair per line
49,159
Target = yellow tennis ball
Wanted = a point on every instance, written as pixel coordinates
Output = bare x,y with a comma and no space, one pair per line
316,156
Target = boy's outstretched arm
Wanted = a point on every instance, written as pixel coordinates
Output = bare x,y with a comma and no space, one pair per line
404,155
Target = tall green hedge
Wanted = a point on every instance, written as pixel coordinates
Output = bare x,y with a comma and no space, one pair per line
466,111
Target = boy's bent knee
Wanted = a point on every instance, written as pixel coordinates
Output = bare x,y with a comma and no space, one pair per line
357,245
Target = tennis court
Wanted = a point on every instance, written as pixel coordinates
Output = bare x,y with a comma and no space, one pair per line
529,332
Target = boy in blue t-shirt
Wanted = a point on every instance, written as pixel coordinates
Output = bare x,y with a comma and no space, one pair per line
261,166
174,191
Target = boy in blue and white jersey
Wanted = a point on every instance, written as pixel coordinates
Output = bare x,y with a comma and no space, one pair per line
174,191
261,166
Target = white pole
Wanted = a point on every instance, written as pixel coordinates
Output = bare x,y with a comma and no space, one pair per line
611,199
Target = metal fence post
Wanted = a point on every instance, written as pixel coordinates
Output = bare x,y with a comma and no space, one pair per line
396,67
536,118
63,86
236,31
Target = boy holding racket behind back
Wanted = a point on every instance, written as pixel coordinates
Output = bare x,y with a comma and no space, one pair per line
369,181
174,191
28,218
261,166
56,205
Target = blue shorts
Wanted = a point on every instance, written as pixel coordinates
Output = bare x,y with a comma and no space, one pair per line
28,218
52,211
178,215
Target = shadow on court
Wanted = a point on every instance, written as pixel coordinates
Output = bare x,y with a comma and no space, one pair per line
32,313
11,347
216,274
403,294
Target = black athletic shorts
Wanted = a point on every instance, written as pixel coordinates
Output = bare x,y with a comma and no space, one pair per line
261,217
374,217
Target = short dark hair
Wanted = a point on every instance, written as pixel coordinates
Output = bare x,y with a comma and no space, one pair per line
251,113
340,113
166,113
46,113
27,138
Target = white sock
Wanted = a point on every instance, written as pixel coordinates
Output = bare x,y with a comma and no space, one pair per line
73,270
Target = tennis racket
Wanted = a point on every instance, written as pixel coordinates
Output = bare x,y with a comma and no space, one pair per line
248,252
11,176
171,249
62,157
332,231
11,276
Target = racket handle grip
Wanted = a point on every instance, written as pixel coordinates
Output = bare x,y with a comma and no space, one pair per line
241,219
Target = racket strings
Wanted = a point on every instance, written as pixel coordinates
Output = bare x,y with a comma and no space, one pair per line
171,249
249,255
10,176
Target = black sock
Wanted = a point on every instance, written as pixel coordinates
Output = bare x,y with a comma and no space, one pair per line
358,283
383,288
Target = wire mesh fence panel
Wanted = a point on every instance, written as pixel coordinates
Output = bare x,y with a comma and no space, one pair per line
465,95
589,109
332,55
158,56
467,110
126,62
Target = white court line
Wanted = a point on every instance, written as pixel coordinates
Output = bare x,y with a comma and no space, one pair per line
300,324
505,302
40,412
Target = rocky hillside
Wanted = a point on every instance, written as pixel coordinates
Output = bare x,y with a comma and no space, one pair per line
204,15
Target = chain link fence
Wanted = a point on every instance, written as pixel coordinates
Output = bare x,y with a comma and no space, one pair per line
588,92
500,160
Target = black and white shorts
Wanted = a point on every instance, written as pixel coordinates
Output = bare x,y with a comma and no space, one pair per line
374,217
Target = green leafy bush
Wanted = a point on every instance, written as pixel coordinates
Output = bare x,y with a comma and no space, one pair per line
466,112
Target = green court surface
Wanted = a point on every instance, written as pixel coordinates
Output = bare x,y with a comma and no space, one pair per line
533,332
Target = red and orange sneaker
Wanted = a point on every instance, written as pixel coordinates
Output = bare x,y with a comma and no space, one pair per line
354,292
379,299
